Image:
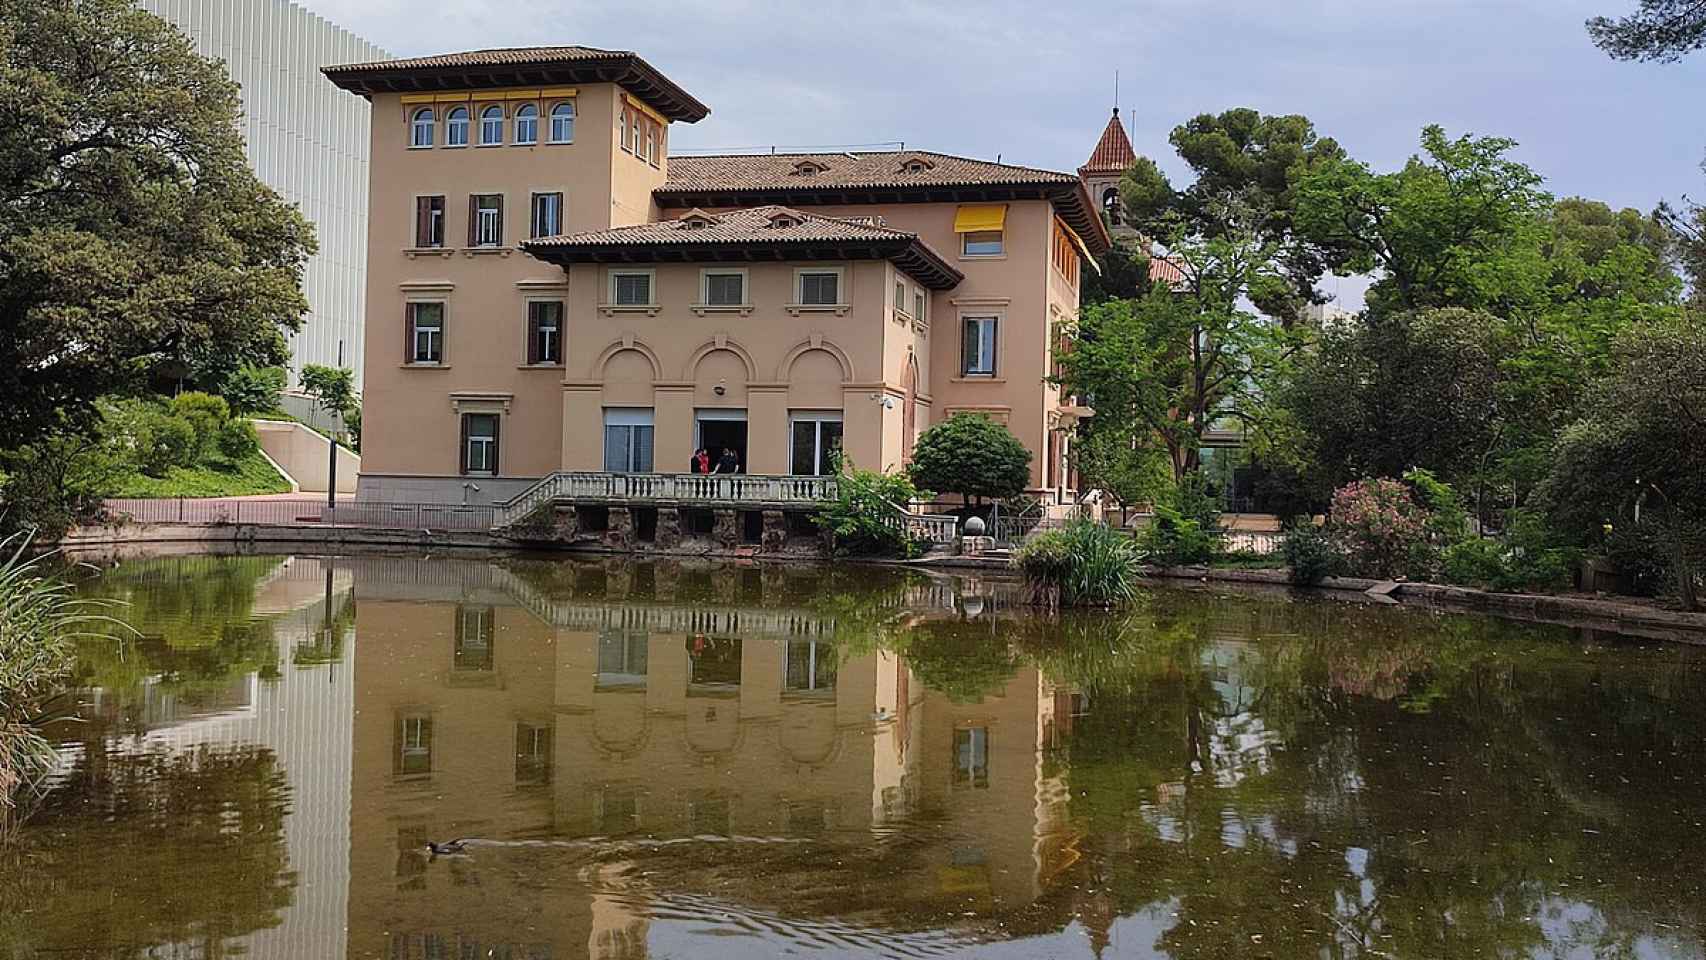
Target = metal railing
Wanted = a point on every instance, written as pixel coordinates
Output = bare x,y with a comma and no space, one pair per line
712,489
365,514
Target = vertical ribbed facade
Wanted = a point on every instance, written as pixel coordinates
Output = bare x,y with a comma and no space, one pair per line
306,139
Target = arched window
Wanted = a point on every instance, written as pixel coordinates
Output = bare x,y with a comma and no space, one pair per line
635,119
420,128
492,125
622,129
527,124
563,122
1111,204
456,128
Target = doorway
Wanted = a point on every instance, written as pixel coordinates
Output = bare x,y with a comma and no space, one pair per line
716,429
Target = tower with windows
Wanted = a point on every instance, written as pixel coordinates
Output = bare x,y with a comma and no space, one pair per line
1101,174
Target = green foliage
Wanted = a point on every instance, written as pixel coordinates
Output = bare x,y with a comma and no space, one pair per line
1130,469
864,519
352,422
1661,30
1082,564
964,661
135,240
237,440
252,390
157,440
1523,560
971,455
58,481
214,477
205,414
1256,161
1124,276
1447,521
1173,539
1310,554
1639,454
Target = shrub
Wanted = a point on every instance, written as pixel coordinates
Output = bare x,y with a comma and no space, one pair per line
861,520
1082,564
205,413
1173,540
1507,566
1309,554
250,390
1641,553
1380,530
1477,562
971,455
162,441
237,439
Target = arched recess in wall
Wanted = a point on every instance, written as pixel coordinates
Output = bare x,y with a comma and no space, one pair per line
909,412
618,726
627,369
809,736
727,365
815,372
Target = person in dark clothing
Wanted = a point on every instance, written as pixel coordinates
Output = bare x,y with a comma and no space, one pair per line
701,462
728,462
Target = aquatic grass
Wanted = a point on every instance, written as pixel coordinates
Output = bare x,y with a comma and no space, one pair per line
1083,564
41,620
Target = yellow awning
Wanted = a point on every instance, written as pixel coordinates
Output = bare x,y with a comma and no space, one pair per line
978,217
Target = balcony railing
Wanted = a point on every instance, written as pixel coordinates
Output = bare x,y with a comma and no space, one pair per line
731,489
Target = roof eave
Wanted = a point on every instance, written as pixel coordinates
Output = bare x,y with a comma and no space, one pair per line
910,254
627,70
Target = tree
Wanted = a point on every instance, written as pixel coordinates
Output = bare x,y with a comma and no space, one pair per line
1662,30
134,239
971,455
1127,465
1638,458
1257,160
1124,275
333,388
1173,364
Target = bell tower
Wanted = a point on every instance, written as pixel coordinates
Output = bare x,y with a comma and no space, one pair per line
1101,174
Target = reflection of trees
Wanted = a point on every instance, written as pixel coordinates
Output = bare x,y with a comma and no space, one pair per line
194,624
964,660
1429,786
138,851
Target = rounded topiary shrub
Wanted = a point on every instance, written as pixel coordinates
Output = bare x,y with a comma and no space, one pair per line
971,455
237,439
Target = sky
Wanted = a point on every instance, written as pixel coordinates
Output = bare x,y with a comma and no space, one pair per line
1033,82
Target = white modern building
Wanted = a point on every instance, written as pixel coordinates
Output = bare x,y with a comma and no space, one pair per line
306,139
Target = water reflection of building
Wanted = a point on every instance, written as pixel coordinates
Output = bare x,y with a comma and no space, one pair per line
609,717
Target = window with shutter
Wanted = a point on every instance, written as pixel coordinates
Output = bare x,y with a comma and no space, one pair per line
485,220
425,322
820,288
545,332
429,222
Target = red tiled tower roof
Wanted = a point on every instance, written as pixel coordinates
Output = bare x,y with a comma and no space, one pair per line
1113,153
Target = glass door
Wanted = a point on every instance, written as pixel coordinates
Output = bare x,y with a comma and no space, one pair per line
814,441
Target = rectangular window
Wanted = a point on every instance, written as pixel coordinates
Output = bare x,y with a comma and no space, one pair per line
628,440
533,749
651,145
631,289
414,746
547,214
820,288
982,243
725,289
899,297
429,222
971,757
545,331
425,331
810,667
636,134
475,627
486,220
622,130
979,347
480,444
621,660
918,302
814,442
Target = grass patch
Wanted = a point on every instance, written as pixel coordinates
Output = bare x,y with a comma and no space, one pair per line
213,477
1247,560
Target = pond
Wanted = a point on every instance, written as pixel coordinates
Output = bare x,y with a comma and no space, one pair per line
719,761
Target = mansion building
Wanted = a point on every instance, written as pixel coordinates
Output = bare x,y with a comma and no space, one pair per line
548,290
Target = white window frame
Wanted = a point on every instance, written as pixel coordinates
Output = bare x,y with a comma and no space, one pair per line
533,212
651,145
966,241
562,322
818,417
900,305
840,288
628,417
552,114
622,129
451,124
634,118
426,119
651,276
489,448
920,305
415,334
489,124
496,216
527,114
705,276
993,321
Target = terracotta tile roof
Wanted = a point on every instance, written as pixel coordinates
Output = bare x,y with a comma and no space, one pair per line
816,171
1113,153
521,66
769,232
1164,270
884,176
766,224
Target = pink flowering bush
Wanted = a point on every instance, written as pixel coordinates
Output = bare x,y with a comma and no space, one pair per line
1380,530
